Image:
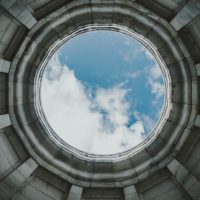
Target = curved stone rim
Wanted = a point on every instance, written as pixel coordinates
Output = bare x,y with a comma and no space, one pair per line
116,156
83,172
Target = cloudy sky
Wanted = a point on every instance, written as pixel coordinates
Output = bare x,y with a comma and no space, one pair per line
102,92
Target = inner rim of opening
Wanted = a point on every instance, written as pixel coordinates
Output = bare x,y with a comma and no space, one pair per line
153,74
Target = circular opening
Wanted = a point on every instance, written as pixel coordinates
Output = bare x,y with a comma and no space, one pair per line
102,92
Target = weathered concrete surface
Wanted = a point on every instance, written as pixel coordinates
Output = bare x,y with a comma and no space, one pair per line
33,167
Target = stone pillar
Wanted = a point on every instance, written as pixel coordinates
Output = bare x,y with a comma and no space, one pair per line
197,121
186,14
4,120
130,193
18,177
4,66
75,193
18,10
198,69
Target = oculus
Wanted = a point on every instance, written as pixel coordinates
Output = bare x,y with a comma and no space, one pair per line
102,92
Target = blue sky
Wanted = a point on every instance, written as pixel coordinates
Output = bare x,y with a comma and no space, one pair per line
102,88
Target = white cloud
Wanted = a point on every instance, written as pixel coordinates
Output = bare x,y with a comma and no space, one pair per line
148,121
155,76
131,53
97,125
148,54
134,74
154,79
154,71
112,101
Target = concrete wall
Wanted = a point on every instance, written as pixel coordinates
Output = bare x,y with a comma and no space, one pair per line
33,167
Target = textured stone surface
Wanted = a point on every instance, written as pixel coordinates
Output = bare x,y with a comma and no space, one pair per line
130,193
185,179
4,65
75,193
33,167
4,120
186,14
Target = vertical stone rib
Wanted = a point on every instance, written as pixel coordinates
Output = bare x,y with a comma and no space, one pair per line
4,120
75,193
130,193
4,66
18,10
186,180
186,14
198,69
